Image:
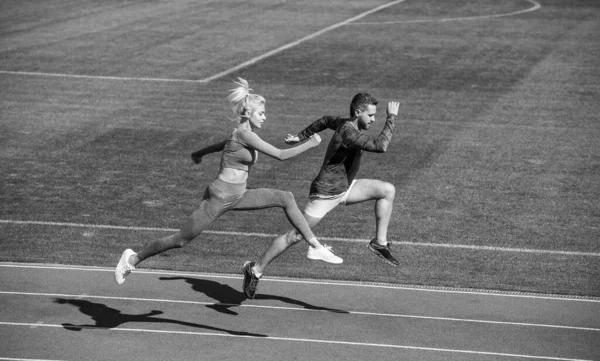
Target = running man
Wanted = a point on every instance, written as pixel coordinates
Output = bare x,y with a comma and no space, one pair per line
336,184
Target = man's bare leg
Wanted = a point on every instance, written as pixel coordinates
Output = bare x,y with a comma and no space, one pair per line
383,193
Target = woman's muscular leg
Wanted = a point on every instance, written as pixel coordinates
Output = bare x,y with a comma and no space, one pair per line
200,219
267,198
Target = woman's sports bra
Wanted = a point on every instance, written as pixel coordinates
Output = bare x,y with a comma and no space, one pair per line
236,155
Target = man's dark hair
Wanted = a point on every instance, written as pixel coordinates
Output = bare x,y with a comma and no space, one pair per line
360,102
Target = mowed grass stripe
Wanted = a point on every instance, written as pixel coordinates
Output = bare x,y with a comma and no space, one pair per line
112,152
530,182
337,239
231,69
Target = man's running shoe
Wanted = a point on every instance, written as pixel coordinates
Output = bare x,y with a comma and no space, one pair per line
124,268
250,280
383,252
323,253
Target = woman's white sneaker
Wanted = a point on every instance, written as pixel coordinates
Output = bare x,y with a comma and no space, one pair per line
124,268
323,253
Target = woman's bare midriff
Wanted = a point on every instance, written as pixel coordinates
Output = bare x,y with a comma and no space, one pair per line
236,176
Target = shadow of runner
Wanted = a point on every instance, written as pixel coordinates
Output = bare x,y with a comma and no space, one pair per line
228,297
107,318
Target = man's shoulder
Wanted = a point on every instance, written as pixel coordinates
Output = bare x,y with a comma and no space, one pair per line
332,119
345,126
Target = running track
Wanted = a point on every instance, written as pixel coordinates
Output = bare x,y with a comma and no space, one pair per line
51,312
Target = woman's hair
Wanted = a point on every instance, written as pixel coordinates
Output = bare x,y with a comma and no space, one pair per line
360,102
242,101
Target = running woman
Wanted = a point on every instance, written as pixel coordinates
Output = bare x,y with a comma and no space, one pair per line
228,191
336,184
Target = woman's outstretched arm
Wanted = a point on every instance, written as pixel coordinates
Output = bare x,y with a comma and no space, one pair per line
317,126
252,140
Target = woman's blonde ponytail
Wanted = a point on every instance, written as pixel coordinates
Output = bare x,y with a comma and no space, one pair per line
241,100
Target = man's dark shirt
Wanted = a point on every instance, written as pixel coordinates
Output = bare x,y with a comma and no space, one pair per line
344,152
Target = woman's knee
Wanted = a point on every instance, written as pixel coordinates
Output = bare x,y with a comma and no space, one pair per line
182,241
293,237
177,240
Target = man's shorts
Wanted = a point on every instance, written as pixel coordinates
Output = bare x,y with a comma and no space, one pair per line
319,206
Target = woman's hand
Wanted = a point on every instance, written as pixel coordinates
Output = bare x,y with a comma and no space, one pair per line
291,139
196,158
313,140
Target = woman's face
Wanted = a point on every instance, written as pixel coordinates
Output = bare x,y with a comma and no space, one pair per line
258,117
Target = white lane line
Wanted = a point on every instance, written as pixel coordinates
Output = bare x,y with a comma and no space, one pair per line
330,239
299,41
37,324
100,77
283,308
535,7
332,342
230,70
326,282
24,359
350,21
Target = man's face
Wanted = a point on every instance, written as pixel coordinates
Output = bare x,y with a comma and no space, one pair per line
366,117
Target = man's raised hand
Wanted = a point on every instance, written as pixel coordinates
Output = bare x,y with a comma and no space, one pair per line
392,108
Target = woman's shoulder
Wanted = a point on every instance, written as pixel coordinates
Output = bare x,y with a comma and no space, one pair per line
245,133
246,136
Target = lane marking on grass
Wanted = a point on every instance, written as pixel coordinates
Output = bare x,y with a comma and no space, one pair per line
330,239
299,41
292,339
98,77
535,7
232,69
25,359
350,21
305,309
320,282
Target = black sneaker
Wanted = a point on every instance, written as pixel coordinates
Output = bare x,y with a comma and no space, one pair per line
383,252
250,280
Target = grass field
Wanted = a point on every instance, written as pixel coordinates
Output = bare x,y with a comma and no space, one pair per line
495,159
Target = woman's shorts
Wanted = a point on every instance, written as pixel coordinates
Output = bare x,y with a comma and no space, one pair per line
319,206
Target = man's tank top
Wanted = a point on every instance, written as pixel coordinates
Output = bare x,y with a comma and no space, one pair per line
237,155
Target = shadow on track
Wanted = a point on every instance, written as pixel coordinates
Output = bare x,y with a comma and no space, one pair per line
107,318
229,297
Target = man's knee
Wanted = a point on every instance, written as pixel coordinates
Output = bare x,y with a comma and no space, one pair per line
288,197
388,190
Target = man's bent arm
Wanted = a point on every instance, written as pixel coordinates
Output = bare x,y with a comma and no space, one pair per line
378,144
